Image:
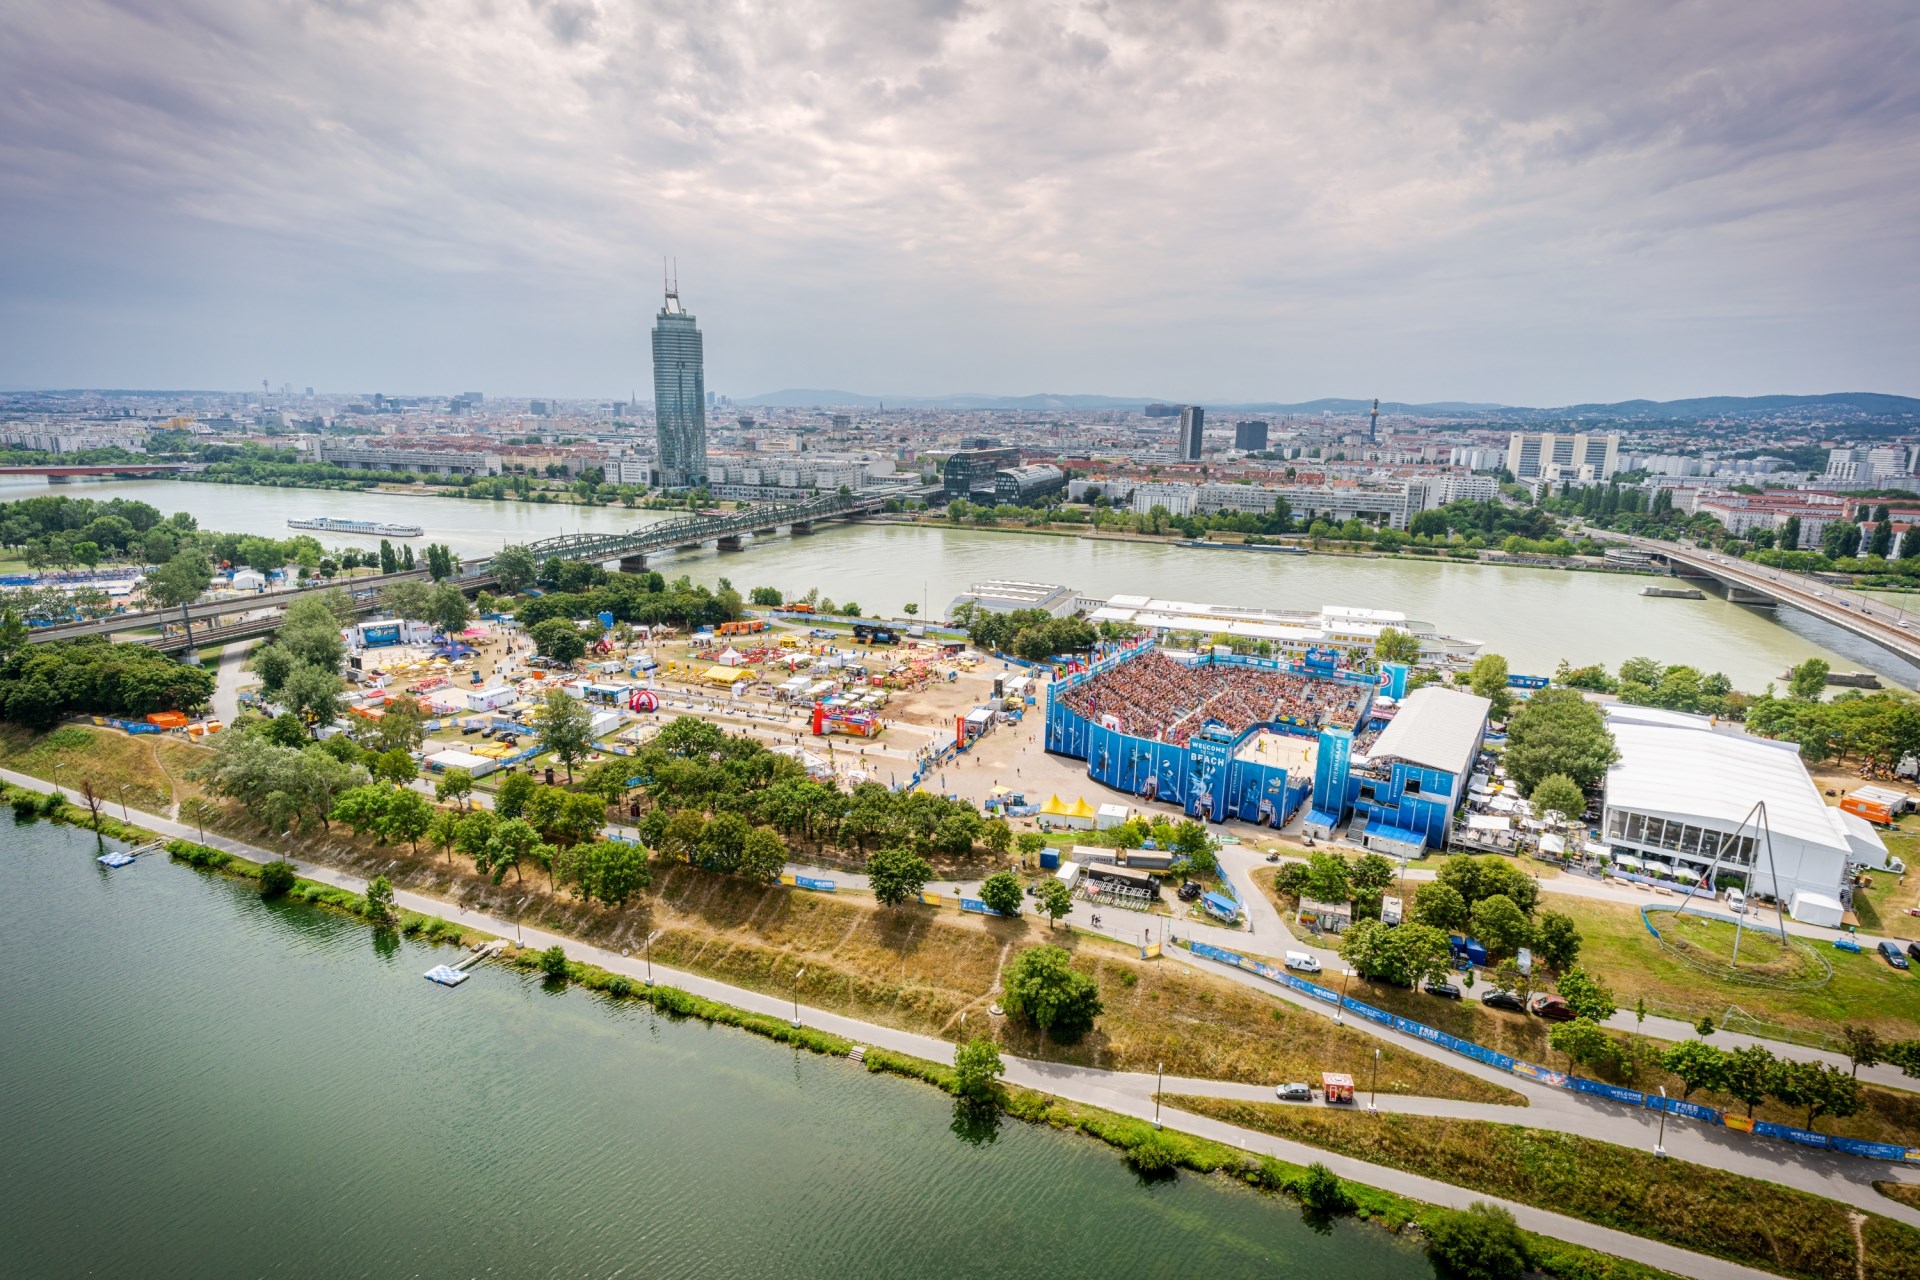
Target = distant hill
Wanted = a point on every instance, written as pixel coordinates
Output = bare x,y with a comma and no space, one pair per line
1833,404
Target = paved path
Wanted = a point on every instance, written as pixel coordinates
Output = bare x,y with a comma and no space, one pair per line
1843,1178
226,687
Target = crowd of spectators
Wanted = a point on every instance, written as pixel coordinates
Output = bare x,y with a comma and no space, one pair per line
1157,697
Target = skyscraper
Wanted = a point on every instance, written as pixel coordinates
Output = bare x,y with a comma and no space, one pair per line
1193,422
679,397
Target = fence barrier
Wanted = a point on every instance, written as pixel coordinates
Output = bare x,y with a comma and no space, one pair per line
1545,1075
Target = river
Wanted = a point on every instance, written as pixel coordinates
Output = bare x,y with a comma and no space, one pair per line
1535,617
196,1083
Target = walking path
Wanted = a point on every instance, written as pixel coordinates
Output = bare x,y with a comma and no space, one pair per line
1845,1179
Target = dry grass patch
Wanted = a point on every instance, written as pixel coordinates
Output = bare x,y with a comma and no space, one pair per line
150,766
1693,1206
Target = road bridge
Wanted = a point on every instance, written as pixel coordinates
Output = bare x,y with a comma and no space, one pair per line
210,622
1889,626
58,471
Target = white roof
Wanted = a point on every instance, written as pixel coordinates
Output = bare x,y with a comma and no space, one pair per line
1672,763
458,760
1436,727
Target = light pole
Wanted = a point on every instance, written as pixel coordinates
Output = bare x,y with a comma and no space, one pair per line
796,997
56,777
650,937
1660,1143
1160,1082
1373,1089
123,803
1345,979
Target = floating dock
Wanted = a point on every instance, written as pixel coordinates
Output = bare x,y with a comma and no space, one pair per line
127,859
452,975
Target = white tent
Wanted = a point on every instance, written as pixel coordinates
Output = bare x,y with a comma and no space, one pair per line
1488,822
1552,844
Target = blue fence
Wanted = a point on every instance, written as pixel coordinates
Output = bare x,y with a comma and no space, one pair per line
1559,1079
975,905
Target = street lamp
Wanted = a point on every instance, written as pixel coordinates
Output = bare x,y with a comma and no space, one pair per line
1345,980
650,937
1160,1082
1660,1143
796,997
1373,1090
56,777
123,803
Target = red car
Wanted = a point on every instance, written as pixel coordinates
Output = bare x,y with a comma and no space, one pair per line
1552,1008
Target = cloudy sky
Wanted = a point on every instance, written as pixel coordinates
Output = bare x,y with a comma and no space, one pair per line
1528,202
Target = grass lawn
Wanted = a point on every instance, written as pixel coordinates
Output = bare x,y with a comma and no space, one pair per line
1618,949
1695,1207
1905,1192
152,767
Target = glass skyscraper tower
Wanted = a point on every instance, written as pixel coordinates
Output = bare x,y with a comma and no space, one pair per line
679,397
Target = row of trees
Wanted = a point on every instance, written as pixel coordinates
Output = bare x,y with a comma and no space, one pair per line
1033,634
1877,730
1645,682
586,591
42,684
1753,1074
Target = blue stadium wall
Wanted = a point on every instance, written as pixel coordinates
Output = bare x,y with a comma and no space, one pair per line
1426,813
1202,777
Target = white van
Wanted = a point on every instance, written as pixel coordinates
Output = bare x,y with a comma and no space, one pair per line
1303,962
1736,901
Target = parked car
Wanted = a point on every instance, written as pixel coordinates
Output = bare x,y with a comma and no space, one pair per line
1913,949
1552,1008
1497,999
1293,1092
1445,990
1303,962
1890,952
467,730
1190,892
1736,901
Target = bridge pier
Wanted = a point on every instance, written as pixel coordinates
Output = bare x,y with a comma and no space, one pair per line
1746,595
633,564
731,542
802,526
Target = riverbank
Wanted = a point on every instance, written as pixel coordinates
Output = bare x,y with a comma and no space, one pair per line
1041,1079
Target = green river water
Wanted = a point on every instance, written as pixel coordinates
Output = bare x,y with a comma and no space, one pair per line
194,1083
1535,617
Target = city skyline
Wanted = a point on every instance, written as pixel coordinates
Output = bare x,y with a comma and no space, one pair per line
1477,202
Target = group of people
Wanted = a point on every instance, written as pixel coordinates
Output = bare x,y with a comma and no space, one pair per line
1154,696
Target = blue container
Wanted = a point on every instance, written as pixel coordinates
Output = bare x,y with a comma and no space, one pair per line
606,622
1050,859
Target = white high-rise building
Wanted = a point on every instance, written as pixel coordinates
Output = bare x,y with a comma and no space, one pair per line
1548,455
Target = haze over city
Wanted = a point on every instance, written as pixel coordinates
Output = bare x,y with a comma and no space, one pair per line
1226,202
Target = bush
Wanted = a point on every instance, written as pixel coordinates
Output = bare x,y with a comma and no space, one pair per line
1154,1152
277,878
1321,1190
553,961
621,986
1481,1242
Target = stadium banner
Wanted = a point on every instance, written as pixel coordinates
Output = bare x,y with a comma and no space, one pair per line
807,882
930,899
979,907
1804,1137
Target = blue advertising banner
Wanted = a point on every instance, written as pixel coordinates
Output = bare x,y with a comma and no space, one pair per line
975,905
1330,770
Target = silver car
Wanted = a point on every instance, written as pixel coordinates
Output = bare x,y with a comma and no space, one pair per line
1294,1092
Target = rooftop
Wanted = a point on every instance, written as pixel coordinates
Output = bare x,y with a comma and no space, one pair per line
1436,728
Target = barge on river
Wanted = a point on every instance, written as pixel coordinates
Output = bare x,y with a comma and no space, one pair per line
371,528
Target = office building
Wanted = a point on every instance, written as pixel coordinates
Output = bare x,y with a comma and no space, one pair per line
1193,424
971,471
439,462
1548,455
1250,437
679,397
1018,485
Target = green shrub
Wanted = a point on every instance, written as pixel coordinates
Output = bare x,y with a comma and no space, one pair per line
553,961
1321,1190
1154,1152
621,986
26,806
1480,1242
277,878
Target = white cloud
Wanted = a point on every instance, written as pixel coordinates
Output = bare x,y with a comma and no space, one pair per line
1443,199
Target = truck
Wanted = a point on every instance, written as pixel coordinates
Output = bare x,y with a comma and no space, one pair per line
1303,962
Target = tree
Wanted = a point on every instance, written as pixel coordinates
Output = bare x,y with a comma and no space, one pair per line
514,569
407,599
606,871
1328,878
310,630
1747,1074
1001,892
394,766
1581,1040
447,608
1480,1242
1586,996
565,728
511,799
553,962
273,664
277,878
1697,1065
285,730
1821,1089
1029,843
1499,925
1557,793
608,780
1808,681
1395,645
454,784
1404,955
1055,901
1559,731
1043,989
558,639
401,726
312,693
977,1069
1864,1047
1487,677
443,830
1190,840
407,817
180,581
897,875
763,856
1556,941
361,807
1439,904
378,903
472,834
511,843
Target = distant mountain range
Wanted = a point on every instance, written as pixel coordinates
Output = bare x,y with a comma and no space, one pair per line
1835,404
